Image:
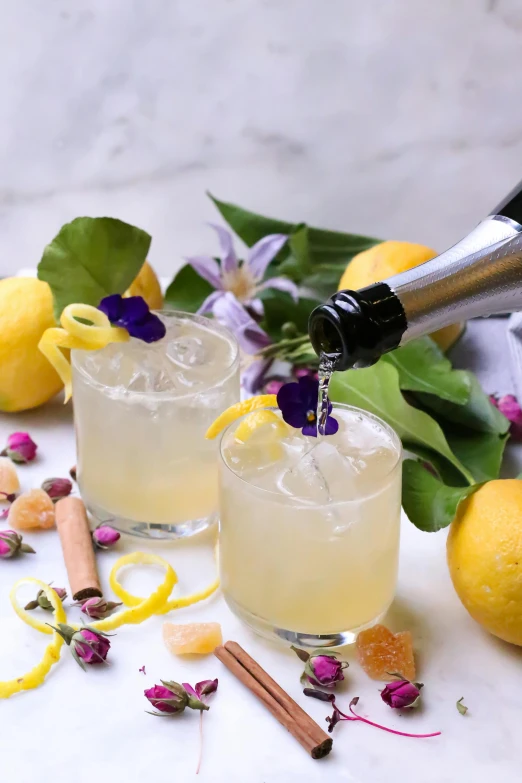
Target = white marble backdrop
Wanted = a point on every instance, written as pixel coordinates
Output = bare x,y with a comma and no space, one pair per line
401,119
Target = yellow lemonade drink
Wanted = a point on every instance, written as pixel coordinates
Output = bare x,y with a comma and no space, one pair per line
309,528
141,412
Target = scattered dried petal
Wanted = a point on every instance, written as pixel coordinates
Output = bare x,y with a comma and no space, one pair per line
461,707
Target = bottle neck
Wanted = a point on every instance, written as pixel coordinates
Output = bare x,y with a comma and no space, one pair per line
479,276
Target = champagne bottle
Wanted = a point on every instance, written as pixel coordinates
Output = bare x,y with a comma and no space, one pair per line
479,276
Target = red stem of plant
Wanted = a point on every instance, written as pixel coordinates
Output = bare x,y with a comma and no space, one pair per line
200,741
385,728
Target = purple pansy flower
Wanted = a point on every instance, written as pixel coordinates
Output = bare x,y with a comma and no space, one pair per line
251,338
242,278
298,405
133,314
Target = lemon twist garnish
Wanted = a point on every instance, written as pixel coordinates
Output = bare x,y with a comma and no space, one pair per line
239,409
73,334
138,609
37,675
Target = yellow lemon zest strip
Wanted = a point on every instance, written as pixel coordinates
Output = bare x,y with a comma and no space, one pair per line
239,409
37,675
258,419
73,334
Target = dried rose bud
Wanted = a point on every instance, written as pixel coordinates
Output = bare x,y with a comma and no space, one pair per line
171,698
509,407
105,536
402,694
20,447
272,387
11,544
97,608
42,601
87,645
321,668
57,488
201,689
303,372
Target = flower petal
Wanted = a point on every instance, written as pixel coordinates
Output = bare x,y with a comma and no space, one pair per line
112,307
188,687
229,312
253,378
332,425
207,268
309,390
209,302
150,329
282,284
263,252
310,429
229,262
133,308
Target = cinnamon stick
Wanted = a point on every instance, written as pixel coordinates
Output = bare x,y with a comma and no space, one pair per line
78,552
307,732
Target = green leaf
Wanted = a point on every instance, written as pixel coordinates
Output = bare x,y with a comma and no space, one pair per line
280,310
480,452
91,258
422,367
447,472
376,389
429,504
299,263
477,414
461,707
187,291
329,251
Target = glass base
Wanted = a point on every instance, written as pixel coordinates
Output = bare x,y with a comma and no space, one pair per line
309,641
151,530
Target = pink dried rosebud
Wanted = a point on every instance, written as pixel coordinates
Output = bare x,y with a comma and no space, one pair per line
170,698
509,407
11,544
87,645
97,608
272,387
402,694
42,601
304,372
321,668
57,488
20,447
105,536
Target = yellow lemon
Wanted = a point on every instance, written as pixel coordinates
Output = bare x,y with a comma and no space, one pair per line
147,285
388,259
26,377
484,551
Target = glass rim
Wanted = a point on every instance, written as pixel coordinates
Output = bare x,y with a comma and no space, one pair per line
205,322
298,498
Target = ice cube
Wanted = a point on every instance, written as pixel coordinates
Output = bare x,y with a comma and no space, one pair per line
323,474
186,351
305,479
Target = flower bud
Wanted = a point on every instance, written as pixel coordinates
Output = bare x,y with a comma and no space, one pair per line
20,447
57,488
11,544
105,536
322,668
88,646
42,601
401,694
170,698
508,405
97,608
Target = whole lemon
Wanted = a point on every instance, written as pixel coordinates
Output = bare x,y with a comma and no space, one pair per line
385,260
484,551
26,377
147,285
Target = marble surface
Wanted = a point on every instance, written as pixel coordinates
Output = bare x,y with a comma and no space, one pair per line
77,720
401,120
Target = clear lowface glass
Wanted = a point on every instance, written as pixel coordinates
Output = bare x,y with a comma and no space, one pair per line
310,528
141,412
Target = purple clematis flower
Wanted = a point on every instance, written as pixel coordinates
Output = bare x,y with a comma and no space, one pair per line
251,338
298,404
133,314
241,278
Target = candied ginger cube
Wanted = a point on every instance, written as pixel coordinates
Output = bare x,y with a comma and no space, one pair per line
192,638
33,509
381,653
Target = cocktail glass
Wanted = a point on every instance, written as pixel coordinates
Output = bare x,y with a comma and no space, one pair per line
141,412
310,527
